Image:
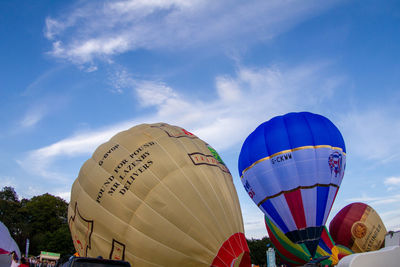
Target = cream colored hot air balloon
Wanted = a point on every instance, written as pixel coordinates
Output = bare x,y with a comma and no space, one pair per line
359,227
157,195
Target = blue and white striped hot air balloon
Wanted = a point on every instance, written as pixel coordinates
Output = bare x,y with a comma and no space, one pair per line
292,167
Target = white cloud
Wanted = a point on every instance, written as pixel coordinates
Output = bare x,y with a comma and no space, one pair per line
376,201
91,68
7,181
391,219
38,109
33,116
53,26
392,181
243,102
64,195
102,29
92,47
253,219
120,79
21,188
372,133
154,93
40,82
40,161
228,89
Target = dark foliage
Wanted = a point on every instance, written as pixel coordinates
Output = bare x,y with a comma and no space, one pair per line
258,250
42,219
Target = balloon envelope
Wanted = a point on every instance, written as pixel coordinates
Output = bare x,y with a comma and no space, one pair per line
298,254
343,251
292,167
7,243
157,195
358,227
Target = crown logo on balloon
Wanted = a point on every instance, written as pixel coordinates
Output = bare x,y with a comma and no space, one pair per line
335,162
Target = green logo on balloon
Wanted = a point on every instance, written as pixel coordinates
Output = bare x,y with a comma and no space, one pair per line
215,154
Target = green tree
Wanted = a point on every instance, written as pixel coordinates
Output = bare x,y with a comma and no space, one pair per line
10,214
258,250
42,219
48,229
8,193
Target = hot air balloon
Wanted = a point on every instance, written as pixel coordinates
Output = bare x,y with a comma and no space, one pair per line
358,227
7,243
343,251
157,195
298,254
292,167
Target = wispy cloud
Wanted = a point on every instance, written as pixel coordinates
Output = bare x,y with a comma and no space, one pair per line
120,79
155,93
243,101
376,201
7,181
392,183
33,116
40,108
373,132
392,219
40,82
39,161
64,195
254,222
22,190
103,29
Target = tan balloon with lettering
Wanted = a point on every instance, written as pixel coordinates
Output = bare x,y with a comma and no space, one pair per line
359,227
157,195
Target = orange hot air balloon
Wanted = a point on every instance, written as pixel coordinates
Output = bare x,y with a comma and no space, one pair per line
157,195
358,227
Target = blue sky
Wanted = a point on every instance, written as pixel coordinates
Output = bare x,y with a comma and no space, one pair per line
74,73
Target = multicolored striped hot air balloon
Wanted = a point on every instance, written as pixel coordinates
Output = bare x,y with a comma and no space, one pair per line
343,251
292,167
359,227
298,254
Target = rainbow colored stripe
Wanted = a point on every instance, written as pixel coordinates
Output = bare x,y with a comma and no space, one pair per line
298,254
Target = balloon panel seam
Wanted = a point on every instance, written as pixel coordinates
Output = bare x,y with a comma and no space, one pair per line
294,189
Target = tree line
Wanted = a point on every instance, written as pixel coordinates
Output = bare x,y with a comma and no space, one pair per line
44,221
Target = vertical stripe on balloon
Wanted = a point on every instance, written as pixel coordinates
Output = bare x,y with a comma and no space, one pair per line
322,197
281,205
309,196
274,215
295,204
331,198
